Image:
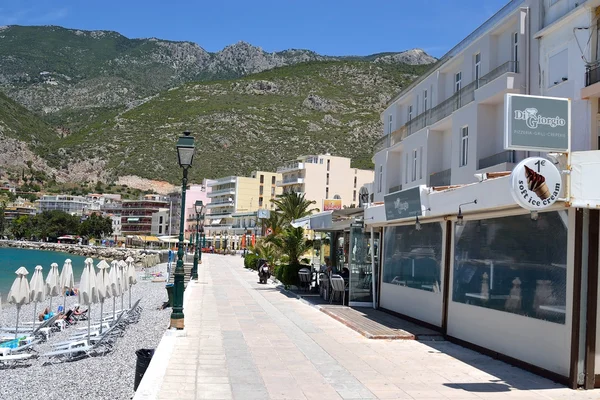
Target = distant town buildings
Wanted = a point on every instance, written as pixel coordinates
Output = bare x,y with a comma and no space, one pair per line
136,215
74,205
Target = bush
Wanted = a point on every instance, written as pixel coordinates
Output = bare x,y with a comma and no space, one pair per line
288,274
250,261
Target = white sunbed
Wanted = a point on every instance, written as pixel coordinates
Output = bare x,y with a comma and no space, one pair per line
14,359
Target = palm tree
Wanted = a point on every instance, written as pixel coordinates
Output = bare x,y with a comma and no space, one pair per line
275,222
294,206
293,244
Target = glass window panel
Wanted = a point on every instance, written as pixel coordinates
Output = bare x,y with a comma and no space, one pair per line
513,264
413,257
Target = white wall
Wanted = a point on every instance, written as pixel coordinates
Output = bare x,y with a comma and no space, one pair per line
415,142
379,160
464,116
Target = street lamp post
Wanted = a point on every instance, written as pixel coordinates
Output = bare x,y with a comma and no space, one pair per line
185,155
199,206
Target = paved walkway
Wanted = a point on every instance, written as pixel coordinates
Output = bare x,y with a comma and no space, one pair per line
250,341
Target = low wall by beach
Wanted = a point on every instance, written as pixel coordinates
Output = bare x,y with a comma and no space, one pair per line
98,252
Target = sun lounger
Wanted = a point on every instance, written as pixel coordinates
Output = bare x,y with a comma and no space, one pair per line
93,336
14,359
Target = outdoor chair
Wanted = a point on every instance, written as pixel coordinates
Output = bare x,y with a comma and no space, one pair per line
323,285
305,278
83,334
338,285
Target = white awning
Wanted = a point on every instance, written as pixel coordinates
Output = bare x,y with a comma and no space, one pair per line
216,221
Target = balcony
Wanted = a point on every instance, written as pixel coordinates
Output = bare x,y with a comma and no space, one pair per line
222,203
394,189
504,157
222,181
293,166
441,178
290,181
458,100
220,192
592,82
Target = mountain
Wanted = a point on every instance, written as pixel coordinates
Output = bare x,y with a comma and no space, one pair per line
105,105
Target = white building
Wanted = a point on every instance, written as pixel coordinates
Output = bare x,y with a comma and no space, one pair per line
74,205
160,222
475,265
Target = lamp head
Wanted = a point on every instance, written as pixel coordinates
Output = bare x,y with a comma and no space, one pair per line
185,150
200,208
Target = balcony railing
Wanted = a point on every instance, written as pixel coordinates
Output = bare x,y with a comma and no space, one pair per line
592,75
441,178
507,156
464,96
394,189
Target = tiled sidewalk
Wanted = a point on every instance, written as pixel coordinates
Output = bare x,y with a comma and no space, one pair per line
250,341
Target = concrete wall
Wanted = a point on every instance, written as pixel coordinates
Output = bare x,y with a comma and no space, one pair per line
246,194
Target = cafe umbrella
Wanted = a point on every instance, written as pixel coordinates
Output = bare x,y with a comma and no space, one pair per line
114,283
88,292
67,280
53,282
19,293
37,290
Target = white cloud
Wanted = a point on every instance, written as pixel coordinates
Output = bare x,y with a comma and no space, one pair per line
32,16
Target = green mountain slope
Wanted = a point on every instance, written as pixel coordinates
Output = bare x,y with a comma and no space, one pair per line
254,122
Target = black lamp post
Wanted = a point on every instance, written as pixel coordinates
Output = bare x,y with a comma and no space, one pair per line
199,206
185,155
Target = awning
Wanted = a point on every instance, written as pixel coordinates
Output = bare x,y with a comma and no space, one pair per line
320,220
133,219
216,221
149,238
67,237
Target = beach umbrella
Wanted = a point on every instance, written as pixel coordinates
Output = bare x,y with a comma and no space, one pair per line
37,290
103,285
88,292
114,283
131,277
19,293
53,282
122,279
67,280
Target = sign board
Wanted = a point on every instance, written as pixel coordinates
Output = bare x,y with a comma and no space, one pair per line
537,123
403,204
263,213
535,183
269,231
332,204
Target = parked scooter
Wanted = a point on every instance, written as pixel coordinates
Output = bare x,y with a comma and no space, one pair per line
263,271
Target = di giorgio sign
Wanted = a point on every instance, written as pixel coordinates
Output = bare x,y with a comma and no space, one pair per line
537,123
535,183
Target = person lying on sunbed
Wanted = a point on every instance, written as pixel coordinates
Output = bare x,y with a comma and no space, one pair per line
78,313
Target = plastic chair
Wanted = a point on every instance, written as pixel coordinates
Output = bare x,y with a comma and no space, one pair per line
338,285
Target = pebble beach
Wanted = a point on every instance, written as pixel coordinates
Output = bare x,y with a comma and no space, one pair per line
105,377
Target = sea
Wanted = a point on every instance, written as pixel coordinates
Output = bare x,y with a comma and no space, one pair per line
11,259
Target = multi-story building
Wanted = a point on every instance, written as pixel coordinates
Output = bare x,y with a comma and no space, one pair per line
136,215
116,224
74,205
160,222
458,250
323,177
195,193
17,209
234,195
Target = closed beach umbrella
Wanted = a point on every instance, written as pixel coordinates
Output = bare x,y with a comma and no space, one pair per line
103,285
122,279
88,292
53,282
19,293
37,289
114,283
67,280
131,278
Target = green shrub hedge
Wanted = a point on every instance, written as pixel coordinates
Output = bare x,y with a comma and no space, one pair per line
288,274
250,261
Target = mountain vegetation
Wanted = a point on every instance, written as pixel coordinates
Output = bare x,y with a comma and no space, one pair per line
87,106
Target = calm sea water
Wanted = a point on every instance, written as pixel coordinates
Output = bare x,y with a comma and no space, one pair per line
12,259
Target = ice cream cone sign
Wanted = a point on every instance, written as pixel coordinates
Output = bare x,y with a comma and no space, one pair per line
536,183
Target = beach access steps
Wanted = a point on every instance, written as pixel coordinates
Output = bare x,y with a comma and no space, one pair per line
187,268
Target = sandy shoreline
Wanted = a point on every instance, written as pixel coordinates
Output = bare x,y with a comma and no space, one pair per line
106,377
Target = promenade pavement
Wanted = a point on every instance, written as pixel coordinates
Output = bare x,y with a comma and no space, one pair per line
251,341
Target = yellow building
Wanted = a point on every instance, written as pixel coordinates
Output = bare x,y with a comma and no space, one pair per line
235,201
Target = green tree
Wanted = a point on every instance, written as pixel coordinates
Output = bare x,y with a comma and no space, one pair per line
22,227
293,206
55,223
96,226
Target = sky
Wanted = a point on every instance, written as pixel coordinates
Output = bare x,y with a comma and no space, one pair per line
329,27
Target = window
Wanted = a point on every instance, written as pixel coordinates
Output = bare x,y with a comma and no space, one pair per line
273,180
328,164
414,166
326,193
390,123
457,82
409,113
477,69
327,179
260,201
262,179
515,52
354,182
406,168
413,258
464,145
421,162
272,191
558,68
380,184
320,161
260,190
160,229
160,220
354,196
424,100
535,286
